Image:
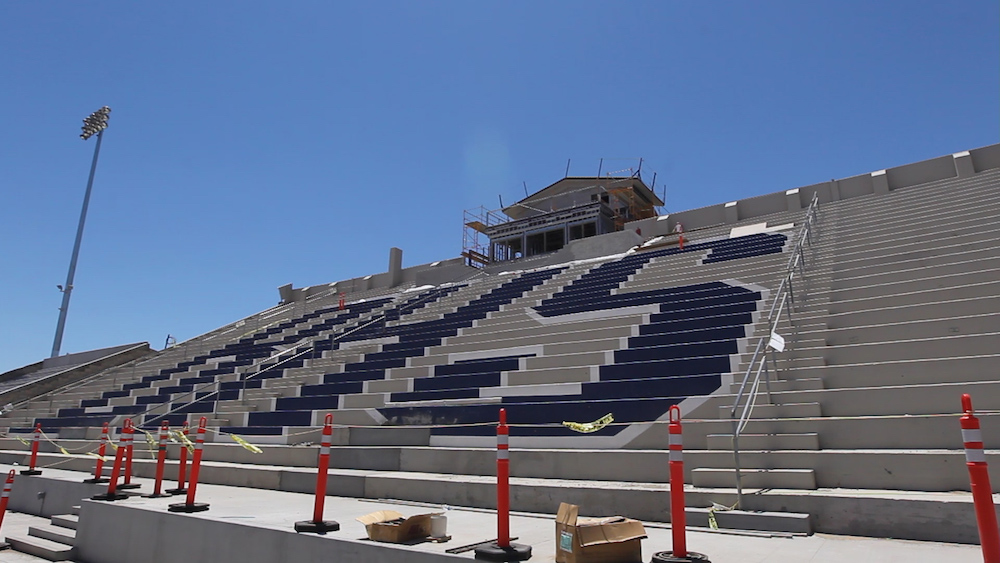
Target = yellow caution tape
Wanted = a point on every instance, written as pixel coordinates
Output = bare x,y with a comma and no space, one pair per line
180,437
100,457
152,442
23,441
246,445
63,450
588,427
716,507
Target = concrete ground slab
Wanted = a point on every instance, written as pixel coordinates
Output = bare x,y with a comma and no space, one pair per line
249,525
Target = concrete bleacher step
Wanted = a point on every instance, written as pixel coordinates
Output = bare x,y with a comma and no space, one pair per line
66,521
795,359
802,441
760,521
899,372
935,280
906,313
786,410
942,266
912,330
956,345
804,384
58,534
755,478
363,400
928,398
41,547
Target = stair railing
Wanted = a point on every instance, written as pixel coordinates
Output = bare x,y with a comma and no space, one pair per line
783,301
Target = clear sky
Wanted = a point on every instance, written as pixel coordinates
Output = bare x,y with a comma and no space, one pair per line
254,144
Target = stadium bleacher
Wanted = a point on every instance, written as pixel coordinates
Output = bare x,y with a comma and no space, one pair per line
893,317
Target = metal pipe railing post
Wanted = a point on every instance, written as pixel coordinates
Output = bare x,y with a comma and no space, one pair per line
736,463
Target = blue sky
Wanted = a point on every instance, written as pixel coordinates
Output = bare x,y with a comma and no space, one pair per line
254,144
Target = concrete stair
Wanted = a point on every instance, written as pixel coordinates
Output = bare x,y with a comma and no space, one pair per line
53,541
896,319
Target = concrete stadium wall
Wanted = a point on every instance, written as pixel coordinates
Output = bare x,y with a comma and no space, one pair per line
116,533
878,182
21,371
72,375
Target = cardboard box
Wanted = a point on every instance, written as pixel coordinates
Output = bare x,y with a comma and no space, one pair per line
597,540
391,526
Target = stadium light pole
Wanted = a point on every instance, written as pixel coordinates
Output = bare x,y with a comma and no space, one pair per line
94,124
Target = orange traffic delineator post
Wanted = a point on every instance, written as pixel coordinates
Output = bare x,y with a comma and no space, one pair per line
182,467
317,524
4,499
678,518
341,303
129,451
503,549
979,477
34,452
116,469
190,505
161,461
99,466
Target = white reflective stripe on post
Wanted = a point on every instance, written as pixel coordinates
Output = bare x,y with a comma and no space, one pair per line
972,435
974,455
198,445
5,494
502,439
676,455
676,440
324,450
503,454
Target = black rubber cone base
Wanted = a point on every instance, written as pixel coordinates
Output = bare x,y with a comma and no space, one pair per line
110,497
514,552
668,557
97,480
129,486
176,491
317,527
31,472
151,495
4,545
188,508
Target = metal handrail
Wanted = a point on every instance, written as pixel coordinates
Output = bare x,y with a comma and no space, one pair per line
299,354
783,296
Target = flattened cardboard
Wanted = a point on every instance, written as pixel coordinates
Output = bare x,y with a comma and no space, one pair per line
391,526
615,539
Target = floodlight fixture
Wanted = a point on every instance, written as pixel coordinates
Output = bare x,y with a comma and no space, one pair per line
95,122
